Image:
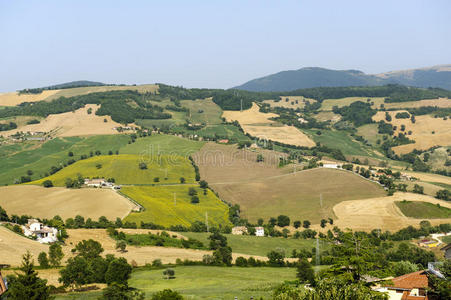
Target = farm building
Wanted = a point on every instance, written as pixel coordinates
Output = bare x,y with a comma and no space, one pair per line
239,230
225,141
447,250
43,234
259,231
428,243
408,286
331,166
101,182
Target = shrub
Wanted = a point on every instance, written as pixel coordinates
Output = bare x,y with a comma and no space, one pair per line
47,183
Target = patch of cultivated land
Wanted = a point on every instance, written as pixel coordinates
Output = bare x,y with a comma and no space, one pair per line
38,157
293,102
227,163
124,168
427,131
13,246
381,213
13,98
440,102
258,125
327,104
200,282
203,111
171,205
263,190
162,144
144,88
78,123
48,202
205,282
423,210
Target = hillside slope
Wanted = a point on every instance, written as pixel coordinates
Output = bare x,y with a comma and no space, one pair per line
437,76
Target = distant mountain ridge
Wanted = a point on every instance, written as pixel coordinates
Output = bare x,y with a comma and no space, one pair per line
309,77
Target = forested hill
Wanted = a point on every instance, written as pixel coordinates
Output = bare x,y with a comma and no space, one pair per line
66,85
439,76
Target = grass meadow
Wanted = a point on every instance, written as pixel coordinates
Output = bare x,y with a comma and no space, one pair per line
206,282
252,245
124,168
423,210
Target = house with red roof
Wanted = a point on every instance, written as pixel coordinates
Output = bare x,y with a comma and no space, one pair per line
410,286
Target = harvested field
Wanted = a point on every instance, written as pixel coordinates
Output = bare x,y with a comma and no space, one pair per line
381,213
258,125
51,275
13,98
430,177
304,195
13,246
427,131
324,116
48,202
327,104
249,116
78,123
227,163
440,102
293,102
97,89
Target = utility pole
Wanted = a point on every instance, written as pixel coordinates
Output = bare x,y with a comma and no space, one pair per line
206,221
175,199
241,104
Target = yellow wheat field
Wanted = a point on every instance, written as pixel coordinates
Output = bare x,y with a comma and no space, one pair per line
259,125
427,131
381,213
78,123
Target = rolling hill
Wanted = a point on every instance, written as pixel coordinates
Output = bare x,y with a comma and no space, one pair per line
437,76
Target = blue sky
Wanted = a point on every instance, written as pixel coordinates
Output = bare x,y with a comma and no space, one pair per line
213,43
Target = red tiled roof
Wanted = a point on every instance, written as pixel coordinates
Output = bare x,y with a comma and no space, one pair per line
410,281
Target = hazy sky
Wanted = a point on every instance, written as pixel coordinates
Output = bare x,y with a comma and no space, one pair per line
213,43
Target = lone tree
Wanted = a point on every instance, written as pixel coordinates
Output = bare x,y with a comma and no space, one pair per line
27,285
47,183
297,224
306,224
43,260
121,245
169,273
283,221
142,166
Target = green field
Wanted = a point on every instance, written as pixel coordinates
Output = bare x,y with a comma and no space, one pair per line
203,111
160,207
370,133
124,168
340,140
446,239
253,245
202,282
163,144
40,157
423,210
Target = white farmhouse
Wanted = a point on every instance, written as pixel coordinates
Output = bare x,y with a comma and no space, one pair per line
331,166
43,234
259,231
